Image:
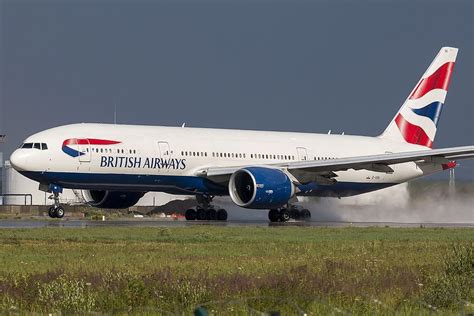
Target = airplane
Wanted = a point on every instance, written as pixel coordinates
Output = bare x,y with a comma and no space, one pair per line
115,165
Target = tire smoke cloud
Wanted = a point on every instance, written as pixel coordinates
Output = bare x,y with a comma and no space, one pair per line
421,201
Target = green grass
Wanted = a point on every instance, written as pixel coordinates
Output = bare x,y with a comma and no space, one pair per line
318,270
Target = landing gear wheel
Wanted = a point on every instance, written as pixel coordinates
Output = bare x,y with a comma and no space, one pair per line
59,212
211,214
221,215
190,214
284,215
306,214
274,215
52,212
201,214
56,210
295,213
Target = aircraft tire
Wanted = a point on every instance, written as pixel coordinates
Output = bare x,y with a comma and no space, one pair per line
221,215
190,214
306,214
273,215
59,212
201,214
284,215
295,213
52,212
211,214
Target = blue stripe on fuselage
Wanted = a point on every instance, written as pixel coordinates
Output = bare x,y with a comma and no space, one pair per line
130,182
186,185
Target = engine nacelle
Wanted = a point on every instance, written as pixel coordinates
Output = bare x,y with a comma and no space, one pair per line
260,188
112,199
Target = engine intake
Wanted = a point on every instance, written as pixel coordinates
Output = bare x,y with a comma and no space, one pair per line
112,199
260,188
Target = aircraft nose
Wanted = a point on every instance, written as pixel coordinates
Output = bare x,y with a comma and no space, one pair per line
19,160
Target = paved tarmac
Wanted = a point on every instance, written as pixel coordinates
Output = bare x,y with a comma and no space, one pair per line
79,223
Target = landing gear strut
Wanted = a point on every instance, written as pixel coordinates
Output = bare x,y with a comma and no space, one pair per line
284,214
205,211
56,210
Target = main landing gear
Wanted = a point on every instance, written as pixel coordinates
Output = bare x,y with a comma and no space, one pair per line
285,214
56,210
205,211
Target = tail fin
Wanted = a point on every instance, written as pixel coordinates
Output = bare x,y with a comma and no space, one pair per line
416,121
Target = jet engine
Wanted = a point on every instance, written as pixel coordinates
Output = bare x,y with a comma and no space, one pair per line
112,199
260,188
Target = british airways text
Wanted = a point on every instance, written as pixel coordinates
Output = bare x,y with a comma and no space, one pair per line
145,163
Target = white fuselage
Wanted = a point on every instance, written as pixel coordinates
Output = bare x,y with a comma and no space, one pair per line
148,158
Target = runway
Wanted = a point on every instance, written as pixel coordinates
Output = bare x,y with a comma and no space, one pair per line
78,223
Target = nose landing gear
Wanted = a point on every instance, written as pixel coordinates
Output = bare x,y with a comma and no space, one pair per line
205,211
56,210
285,214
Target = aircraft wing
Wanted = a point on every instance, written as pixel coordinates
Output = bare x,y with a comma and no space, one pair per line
326,168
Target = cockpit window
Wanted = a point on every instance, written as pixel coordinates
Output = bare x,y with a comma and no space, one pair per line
40,146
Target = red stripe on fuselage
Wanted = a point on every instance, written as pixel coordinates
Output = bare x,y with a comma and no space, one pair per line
411,133
438,80
89,141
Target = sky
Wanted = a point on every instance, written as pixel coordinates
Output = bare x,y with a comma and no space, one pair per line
308,66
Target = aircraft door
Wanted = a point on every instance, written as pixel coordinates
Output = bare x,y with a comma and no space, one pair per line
302,153
84,148
165,155
164,148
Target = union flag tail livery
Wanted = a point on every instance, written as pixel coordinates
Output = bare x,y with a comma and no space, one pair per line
416,121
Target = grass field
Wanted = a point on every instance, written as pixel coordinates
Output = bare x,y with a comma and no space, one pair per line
237,270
